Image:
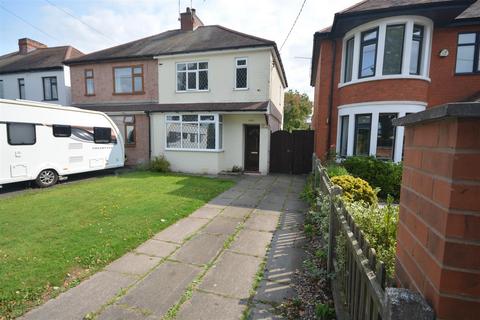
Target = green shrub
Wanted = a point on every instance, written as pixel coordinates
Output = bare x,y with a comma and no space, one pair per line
160,164
385,175
379,225
334,170
355,189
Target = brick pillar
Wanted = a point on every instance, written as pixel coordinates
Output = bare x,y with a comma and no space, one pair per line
438,239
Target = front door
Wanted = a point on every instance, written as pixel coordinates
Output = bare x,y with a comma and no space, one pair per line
252,147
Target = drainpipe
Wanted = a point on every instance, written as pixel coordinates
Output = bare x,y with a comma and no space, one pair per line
330,98
149,136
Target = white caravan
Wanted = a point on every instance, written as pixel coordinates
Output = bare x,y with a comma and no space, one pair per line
42,142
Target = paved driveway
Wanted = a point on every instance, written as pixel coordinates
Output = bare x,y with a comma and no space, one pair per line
205,266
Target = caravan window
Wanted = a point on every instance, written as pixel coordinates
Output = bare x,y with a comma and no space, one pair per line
61,131
102,135
21,134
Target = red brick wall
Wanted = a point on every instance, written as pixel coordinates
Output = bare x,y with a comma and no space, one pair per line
438,248
103,82
444,87
140,152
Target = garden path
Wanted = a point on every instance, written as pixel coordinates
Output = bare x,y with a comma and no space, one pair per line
234,256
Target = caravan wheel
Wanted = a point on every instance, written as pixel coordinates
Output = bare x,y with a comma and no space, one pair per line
47,178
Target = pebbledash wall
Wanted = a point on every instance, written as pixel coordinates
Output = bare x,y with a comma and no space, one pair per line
438,238
439,85
103,81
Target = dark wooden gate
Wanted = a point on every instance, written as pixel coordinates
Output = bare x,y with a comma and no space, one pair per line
291,152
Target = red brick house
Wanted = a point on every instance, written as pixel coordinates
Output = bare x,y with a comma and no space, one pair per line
382,60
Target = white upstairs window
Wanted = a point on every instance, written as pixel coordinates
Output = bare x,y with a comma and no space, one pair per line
192,76
241,73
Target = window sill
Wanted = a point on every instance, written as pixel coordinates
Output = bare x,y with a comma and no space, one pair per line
195,150
89,95
241,89
128,93
389,77
191,91
468,74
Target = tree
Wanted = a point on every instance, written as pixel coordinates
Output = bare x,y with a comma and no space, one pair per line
298,108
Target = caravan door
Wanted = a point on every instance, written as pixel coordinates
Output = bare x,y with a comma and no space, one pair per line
20,155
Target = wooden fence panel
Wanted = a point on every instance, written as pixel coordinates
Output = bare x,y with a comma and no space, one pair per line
361,277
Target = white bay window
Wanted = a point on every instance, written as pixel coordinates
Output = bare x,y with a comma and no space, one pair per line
194,132
365,129
389,48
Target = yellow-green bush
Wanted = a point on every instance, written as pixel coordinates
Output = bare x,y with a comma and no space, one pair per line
355,189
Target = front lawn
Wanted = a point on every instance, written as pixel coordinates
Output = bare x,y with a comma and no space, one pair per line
50,239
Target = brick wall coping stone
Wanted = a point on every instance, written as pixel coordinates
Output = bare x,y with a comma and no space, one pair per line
449,110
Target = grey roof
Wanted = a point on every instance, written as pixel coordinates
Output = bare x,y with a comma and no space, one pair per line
368,5
472,12
261,106
449,110
38,59
204,38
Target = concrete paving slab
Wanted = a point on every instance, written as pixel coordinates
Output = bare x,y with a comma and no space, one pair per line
292,220
121,313
221,201
282,263
236,212
87,297
181,230
245,201
262,222
156,248
264,312
206,306
133,263
162,288
295,205
206,212
232,275
271,205
221,225
201,249
231,194
252,242
274,292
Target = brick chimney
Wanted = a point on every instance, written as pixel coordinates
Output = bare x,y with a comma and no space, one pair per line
189,20
26,45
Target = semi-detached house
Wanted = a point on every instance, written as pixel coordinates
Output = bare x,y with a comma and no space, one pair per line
36,72
205,97
384,59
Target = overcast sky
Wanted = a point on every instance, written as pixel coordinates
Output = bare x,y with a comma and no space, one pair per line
120,21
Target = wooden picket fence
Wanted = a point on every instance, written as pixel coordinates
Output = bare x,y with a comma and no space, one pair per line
360,278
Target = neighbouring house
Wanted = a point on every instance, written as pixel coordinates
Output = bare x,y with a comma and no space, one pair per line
382,60
204,96
36,72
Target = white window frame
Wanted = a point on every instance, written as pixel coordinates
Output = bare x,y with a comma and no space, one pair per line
240,67
381,24
401,108
218,120
196,75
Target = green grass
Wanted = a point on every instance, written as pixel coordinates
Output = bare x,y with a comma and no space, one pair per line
51,238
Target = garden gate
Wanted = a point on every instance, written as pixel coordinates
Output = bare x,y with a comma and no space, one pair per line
291,152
